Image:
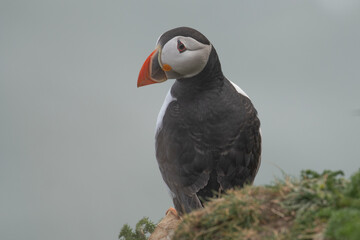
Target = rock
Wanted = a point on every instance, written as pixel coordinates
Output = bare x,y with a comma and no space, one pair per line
166,227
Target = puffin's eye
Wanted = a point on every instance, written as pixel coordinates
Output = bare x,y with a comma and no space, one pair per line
180,46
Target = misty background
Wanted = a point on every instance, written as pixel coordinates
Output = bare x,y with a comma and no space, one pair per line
77,137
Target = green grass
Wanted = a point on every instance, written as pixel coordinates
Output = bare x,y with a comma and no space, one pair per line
315,206
142,230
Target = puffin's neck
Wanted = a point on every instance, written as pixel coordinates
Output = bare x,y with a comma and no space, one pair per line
211,77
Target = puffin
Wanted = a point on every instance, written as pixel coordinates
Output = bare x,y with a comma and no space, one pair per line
208,137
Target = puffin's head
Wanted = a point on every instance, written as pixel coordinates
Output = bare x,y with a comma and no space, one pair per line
180,53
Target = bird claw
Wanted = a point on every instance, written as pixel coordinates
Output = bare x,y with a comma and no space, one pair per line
172,211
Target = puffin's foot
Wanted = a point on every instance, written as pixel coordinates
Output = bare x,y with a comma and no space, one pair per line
172,211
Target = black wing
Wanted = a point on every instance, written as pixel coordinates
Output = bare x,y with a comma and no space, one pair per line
183,169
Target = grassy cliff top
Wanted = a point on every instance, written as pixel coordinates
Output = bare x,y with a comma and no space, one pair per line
316,206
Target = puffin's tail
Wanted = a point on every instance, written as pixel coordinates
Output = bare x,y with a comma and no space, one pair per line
185,203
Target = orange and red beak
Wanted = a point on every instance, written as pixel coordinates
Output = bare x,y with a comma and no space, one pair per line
152,72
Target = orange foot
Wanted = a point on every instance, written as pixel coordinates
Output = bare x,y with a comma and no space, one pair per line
172,211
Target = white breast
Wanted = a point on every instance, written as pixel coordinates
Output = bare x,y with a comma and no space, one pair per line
239,90
168,99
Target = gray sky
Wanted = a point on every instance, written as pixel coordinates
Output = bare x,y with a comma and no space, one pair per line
77,137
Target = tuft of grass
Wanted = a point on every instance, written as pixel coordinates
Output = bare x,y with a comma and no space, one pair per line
142,230
344,224
312,199
344,221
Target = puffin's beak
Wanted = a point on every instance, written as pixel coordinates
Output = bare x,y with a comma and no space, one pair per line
151,71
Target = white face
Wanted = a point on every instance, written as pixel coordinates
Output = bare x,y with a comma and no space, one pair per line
186,57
